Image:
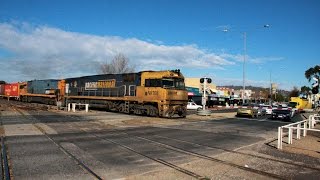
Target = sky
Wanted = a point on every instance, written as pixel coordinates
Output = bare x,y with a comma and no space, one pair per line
42,39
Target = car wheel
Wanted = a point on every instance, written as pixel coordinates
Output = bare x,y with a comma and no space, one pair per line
198,109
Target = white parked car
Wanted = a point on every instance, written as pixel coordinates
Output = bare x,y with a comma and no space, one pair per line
268,109
193,106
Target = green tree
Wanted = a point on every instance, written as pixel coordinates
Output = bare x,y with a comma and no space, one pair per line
312,72
305,90
294,92
280,98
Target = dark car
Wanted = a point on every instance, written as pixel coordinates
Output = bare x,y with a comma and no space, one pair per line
284,114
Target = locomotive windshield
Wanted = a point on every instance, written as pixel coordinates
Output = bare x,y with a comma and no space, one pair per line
169,83
173,83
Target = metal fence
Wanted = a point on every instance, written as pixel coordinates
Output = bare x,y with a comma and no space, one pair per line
304,126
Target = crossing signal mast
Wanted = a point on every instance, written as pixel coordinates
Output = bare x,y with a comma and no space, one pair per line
204,81
315,86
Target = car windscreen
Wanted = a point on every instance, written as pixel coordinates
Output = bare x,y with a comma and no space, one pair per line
292,104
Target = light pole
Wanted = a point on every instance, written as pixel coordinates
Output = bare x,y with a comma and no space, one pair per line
270,99
244,65
244,61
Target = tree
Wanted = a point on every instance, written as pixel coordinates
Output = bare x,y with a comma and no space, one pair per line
312,72
294,93
305,90
279,97
119,64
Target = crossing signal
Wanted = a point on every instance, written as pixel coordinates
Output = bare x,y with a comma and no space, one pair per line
315,90
207,79
315,86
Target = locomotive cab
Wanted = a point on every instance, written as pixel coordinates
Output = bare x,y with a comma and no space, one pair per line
164,90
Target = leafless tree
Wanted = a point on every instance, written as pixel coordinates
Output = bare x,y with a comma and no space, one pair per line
119,64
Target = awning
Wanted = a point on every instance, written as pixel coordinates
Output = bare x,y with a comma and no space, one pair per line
193,91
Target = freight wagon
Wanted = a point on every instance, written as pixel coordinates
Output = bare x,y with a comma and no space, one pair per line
151,93
43,91
2,90
11,90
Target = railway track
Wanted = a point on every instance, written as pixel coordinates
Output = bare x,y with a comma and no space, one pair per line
70,155
84,166
202,156
241,153
176,149
5,168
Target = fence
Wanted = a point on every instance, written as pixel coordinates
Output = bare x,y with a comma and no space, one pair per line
305,125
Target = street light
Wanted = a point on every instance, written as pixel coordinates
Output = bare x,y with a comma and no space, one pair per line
270,99
244,60
244,64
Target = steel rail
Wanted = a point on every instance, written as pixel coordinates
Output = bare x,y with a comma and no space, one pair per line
177,149
237,152
79,162
4,161
166,163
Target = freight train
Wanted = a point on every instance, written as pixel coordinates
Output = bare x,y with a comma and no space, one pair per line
151,93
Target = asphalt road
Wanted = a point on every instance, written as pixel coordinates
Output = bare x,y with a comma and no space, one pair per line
135,151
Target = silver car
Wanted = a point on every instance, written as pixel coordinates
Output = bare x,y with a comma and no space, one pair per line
261,111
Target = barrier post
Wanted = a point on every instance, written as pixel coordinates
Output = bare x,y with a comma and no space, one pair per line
69,107
279,137
305,128
87,107
298,131
309,121
290,135
73,107
313,121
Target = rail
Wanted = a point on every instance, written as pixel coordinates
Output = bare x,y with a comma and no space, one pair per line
305,125
5,172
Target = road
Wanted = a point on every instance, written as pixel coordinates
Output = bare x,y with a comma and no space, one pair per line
102,145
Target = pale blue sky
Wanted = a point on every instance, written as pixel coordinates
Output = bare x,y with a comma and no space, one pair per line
57,39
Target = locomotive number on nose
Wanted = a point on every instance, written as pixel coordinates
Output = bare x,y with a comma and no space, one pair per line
152,93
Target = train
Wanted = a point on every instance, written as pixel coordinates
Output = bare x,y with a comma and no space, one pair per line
150,93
